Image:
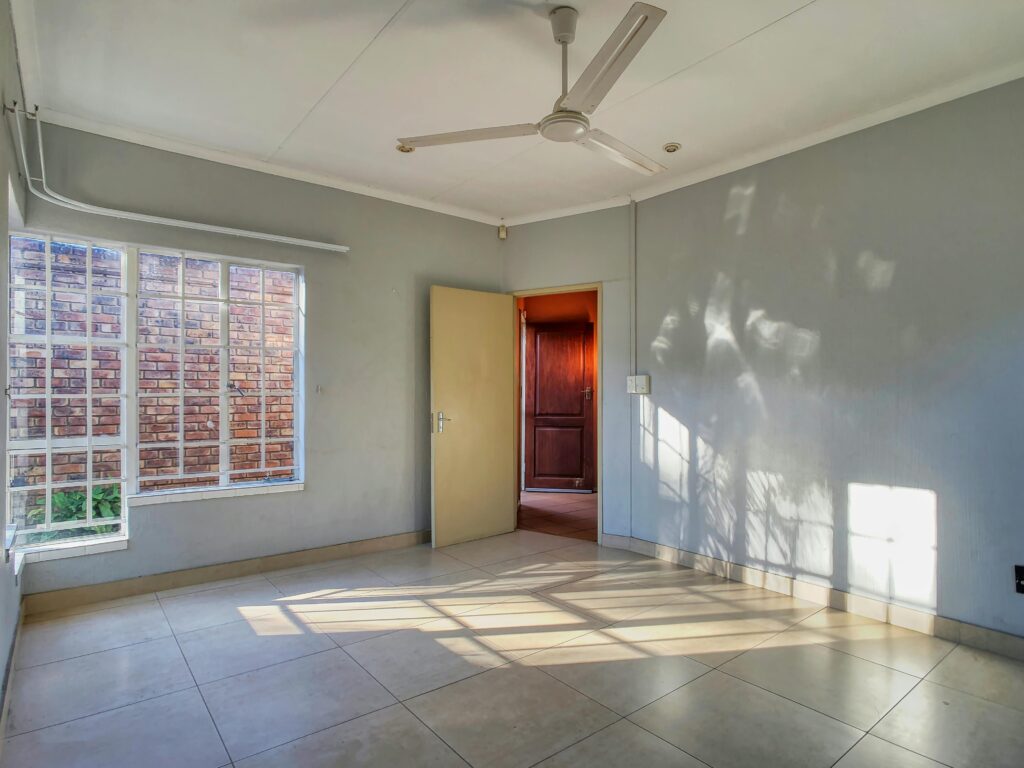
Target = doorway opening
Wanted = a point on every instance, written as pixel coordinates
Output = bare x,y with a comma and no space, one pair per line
557,396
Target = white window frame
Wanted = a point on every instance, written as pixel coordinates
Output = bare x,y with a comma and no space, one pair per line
88,444
130,395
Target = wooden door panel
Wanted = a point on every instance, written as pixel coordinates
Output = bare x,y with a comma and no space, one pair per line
560,372
559,378
558,452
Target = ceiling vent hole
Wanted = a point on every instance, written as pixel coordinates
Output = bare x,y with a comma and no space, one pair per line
672,146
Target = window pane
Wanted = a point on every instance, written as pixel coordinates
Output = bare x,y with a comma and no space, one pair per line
158,419
67,369
244,325
106,370
202,278
202,323
159,322
244,373
106,464
280,416
28,261
106,416
28,508
27,369
68,504
68,466
67,417
69,314
280,454
280,370
202,459
67,265
202,418
202,369
106,268
27,419
245,416
244,283
176,484
68,534
27,469
159,274
280,286
106,502
161,460
279,327
27,312
158,370
245,456
106,317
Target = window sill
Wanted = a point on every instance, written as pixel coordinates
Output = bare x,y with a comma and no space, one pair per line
59,551
168,497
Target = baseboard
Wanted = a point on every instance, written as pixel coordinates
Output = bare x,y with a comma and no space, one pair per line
7,683
942,627
60,599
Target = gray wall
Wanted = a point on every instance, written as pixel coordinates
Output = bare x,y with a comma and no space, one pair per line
367,433
836,344
10,90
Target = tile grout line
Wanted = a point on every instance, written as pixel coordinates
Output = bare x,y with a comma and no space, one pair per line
199,690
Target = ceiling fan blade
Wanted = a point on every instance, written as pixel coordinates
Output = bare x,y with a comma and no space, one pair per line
475,134
610,147
611,61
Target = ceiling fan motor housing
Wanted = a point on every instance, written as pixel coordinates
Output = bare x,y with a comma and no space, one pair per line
564,126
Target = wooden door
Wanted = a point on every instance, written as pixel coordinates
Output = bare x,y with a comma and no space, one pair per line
472,391
559,438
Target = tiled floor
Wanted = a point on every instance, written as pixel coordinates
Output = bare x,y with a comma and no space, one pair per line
525,649
573,515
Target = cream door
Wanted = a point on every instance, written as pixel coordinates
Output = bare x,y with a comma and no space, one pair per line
472,348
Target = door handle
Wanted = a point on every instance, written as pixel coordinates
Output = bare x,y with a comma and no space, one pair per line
588,393
441,419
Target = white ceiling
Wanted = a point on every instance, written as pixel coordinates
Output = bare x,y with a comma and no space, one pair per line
320,89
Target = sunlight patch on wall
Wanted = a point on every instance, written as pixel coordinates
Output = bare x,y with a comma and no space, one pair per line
893,540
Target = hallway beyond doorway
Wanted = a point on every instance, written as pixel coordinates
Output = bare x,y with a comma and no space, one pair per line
562,514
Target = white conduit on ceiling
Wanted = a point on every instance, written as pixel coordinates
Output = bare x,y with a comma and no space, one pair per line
56,198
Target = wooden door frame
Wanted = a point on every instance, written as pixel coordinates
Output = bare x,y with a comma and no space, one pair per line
519,390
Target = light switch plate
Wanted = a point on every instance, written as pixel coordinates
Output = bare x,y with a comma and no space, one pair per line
638,385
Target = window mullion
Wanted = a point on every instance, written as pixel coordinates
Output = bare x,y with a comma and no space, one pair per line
224,432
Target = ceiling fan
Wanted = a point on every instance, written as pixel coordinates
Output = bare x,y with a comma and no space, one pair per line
568,121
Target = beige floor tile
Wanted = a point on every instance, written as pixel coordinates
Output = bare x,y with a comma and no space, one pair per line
263,709
211,607
956,728
607,600
985,675
458,593
65,690
242,646
205,586
853,690
510,716
622,676
539,571
703,631
80,634
594,557
327,580
902,649
508,546
875,753
354,617
619,745
728,723
418,660
101,605
390,738
526,624
400,566
167,732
